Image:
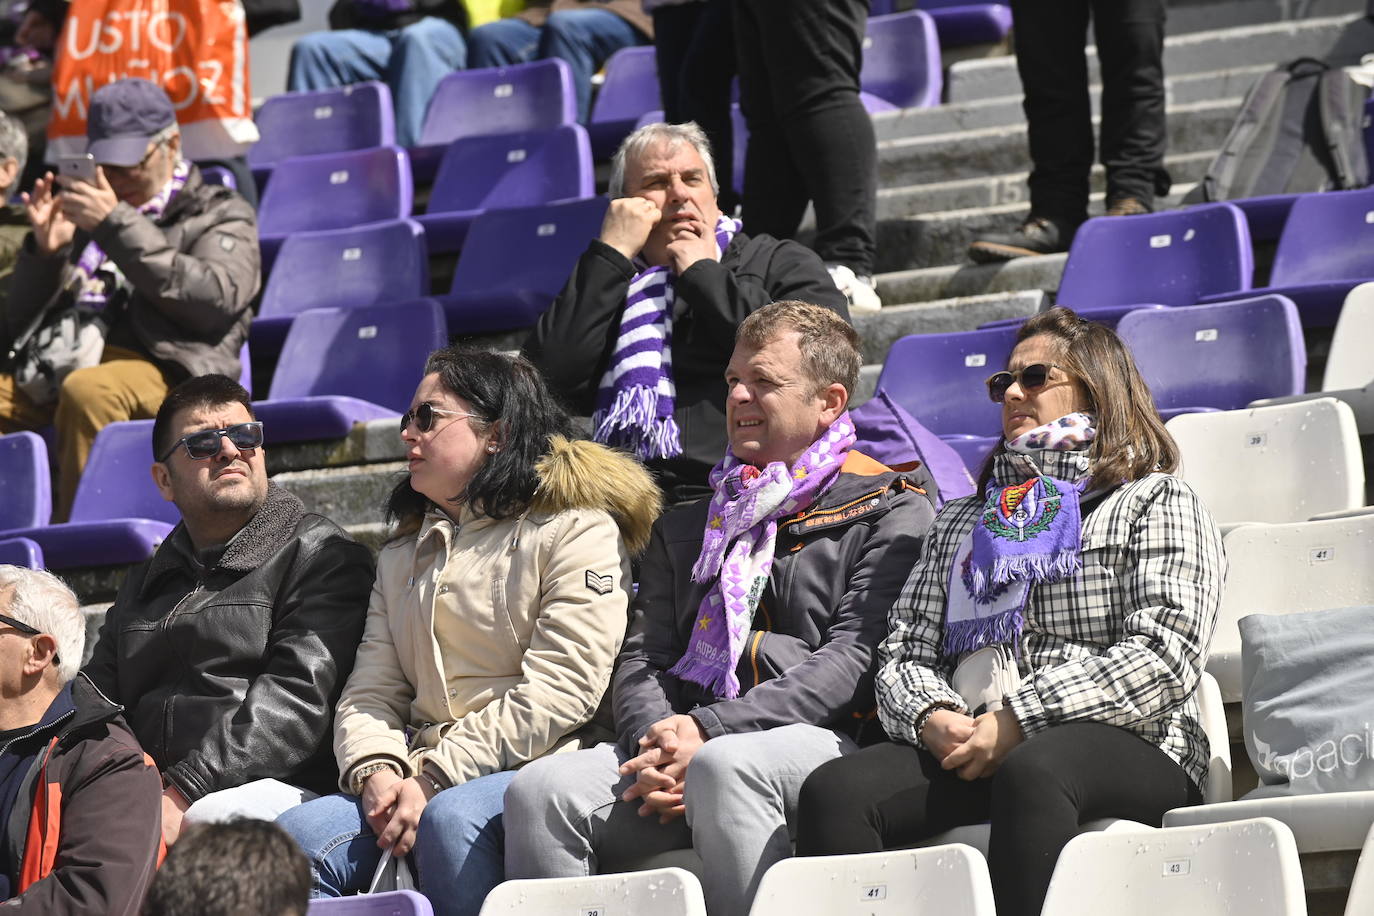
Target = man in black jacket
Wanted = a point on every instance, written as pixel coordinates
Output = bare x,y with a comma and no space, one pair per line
230,647
724,728
664,215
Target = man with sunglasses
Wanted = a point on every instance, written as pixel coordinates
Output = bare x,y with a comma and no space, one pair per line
230,647
78,797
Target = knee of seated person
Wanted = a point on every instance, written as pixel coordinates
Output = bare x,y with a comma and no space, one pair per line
1031,766
87,386
825,793
535,786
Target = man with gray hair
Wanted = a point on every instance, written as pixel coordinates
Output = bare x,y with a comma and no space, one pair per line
14,223
79,800
639,336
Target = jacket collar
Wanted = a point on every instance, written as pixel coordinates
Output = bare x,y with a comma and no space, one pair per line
1009,468
78,705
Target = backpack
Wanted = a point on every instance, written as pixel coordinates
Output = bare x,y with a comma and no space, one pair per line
1300,129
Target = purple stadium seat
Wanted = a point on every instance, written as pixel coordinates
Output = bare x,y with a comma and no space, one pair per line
218,174
21,552
505,170
344,366
902,60
394,903
629,90
1107,316
323,121
1326,250
516,261
494,100
333,191
1220,356
958,22
939,379
974,450
118,515
1173,258
27,502
1266,214
340,268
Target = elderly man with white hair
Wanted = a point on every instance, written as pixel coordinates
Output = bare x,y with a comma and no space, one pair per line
79,800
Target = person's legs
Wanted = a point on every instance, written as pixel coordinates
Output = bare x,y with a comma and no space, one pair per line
564,818
325,60
423,54
706,76
18,411
585,38
1060,778
1130,49
262,799
775,194
337,840
502,43
458,845
674,28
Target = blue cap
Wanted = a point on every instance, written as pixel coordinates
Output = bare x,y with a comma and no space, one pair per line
124,116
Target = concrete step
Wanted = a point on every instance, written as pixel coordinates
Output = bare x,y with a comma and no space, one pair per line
968,279
348,495
877,330
1205,15
1200,52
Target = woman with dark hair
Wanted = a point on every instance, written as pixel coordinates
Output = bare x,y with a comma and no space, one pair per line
1043,657
498,610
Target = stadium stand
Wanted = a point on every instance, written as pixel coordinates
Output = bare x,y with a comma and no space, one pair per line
951,880
665,892
902,60
630,88
360,116
21,552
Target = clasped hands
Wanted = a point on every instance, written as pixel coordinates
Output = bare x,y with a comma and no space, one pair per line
55,216
630,220
661,768
393,806
975,748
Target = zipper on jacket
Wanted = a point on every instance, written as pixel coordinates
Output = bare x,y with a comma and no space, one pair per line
34,730
164,625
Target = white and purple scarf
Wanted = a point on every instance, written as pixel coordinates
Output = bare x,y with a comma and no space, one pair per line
1027,533
635,400
100,276
737,549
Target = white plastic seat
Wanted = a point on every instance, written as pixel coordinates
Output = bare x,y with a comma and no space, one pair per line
1286,569
1328,822
1284,463
1360,902
662,892
1249,867
949,880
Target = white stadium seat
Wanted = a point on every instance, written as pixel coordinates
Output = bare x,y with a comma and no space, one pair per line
661,892
1361,899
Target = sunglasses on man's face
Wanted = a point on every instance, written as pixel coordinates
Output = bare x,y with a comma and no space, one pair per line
424,415
208,442
20,625
1032,378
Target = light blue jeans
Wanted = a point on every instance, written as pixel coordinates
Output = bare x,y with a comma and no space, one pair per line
458,846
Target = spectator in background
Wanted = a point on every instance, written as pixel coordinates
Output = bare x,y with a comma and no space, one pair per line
78,797
1054,75
810,138
230,647
583,33
14,221
149,258
236,868
640,335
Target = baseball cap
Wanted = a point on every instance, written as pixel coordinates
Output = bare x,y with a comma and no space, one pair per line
124,116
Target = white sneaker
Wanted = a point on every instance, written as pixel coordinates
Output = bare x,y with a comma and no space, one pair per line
858,290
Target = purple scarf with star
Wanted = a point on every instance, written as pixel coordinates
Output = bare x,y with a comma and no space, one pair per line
737,549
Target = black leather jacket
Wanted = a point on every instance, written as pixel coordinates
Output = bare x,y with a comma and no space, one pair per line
230,673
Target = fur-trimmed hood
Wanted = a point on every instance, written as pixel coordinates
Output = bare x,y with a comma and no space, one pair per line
579,474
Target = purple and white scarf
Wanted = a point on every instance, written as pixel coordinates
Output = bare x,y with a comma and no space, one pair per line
737,549
635,400
100,276
1027,533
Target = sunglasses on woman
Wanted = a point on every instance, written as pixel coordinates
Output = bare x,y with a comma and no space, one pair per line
423,417
208,442
1032,378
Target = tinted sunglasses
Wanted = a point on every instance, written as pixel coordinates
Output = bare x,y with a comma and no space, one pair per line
424,415
21,626
1032,378
208,442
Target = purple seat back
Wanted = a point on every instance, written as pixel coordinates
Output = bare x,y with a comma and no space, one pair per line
630,89
393,903
1172,258
514,170
375,353
117,482
1224,355
27,502
336,190
346,268
939,379
902,60
21,552
500,100
218,174
893,436
1328,236
323,121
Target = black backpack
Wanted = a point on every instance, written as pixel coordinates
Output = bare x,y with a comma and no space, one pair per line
1300,128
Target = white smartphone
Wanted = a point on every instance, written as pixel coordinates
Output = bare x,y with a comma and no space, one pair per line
80,167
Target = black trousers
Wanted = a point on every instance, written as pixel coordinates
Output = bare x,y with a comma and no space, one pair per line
809,135
890,795
695,48
1050,38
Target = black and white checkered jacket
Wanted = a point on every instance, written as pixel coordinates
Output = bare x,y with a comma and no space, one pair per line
1123,642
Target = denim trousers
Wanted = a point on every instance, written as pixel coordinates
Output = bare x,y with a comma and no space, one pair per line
458,845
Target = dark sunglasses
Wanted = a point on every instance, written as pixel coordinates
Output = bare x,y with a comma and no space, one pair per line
208,442
1032,378
424,415
21,626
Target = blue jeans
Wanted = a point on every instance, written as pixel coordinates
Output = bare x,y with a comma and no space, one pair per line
411,61
582,38
458,846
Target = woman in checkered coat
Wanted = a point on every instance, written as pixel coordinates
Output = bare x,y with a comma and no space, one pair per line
1044,655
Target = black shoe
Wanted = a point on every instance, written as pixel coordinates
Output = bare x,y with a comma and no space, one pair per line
1127,205
1037,235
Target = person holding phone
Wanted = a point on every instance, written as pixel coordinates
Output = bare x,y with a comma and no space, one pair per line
135,275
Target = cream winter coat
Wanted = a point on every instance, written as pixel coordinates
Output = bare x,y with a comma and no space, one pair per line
488,643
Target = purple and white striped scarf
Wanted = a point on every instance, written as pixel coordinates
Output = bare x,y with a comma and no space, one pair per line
99,275
737,549
635,400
